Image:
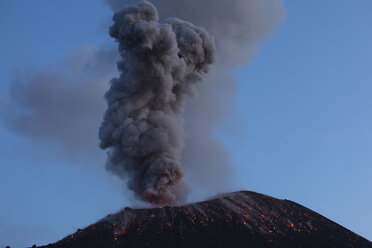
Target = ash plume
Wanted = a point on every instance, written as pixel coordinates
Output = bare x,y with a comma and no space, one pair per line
239,27
143,127
52,107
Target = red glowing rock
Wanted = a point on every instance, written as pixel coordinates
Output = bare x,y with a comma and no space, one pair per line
242,219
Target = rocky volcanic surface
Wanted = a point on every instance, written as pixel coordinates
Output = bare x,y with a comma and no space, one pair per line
241,219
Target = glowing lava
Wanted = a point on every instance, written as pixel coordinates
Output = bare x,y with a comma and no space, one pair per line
242,219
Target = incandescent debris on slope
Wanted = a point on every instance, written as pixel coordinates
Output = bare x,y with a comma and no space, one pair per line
241,219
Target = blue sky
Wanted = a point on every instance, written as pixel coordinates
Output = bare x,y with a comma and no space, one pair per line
304,104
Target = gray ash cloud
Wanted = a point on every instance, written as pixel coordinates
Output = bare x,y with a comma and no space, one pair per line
143,127
239,28
62,109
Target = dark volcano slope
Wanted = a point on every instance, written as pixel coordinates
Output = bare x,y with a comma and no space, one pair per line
242,219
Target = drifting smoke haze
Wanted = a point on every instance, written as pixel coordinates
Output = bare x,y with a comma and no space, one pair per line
56,107
62,106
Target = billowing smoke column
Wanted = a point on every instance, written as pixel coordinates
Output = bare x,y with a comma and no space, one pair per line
143,127
36,106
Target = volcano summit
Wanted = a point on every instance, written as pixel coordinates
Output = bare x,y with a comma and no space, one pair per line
241,219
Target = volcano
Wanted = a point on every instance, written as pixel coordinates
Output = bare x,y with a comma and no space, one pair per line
241,219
